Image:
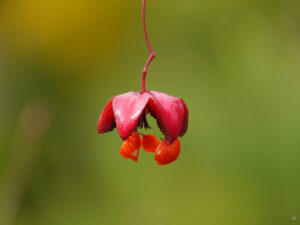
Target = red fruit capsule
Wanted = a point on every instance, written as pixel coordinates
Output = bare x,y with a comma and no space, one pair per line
131,147
126,112
150,143
167,153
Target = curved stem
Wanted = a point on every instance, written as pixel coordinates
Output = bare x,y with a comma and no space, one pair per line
152,54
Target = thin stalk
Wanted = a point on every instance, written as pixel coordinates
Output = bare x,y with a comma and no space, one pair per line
152,54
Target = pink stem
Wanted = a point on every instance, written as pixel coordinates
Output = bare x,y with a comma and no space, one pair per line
152,54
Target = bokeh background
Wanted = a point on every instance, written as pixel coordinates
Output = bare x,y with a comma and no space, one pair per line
236,63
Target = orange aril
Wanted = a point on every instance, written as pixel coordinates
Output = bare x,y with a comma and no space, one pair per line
167,153
150,143
131,147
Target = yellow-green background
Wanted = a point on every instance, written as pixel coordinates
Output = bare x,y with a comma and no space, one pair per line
236,63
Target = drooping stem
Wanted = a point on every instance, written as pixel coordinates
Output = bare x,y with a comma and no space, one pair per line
152,54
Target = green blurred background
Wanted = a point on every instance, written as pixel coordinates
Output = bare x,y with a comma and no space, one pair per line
236,63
